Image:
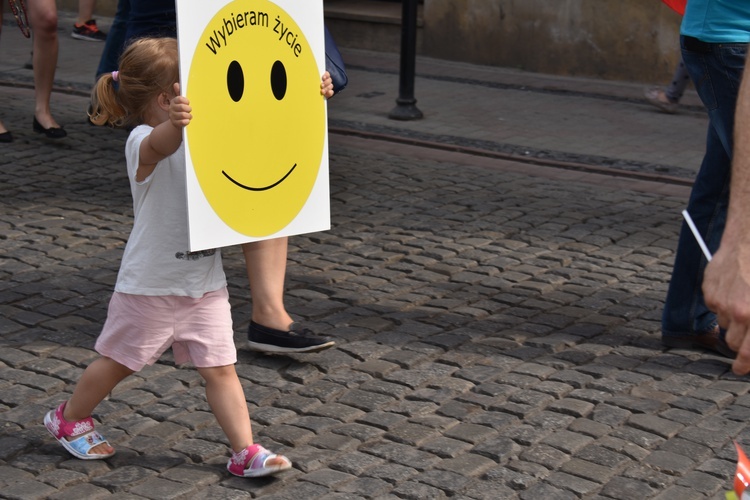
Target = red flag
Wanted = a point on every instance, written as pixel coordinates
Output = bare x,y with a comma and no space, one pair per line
676,5
742,476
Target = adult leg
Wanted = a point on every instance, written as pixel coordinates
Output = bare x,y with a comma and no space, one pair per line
680,79
43,20
271,328
668,98
717,70
266,269
85,27
85,10
115,39
685,313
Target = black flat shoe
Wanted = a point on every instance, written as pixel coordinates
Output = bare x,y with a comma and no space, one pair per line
6,137
49,133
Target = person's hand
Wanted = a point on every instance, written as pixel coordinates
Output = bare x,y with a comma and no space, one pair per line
326,85
179,109
726,287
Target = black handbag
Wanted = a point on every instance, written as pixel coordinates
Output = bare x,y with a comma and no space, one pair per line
335,64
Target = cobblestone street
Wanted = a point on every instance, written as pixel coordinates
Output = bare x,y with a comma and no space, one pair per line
497,326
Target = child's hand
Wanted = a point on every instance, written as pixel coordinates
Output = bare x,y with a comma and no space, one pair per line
179,109
326,86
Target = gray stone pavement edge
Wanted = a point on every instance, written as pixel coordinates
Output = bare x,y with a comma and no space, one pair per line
497,322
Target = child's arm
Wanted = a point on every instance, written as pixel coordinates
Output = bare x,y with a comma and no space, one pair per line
167,136
326,85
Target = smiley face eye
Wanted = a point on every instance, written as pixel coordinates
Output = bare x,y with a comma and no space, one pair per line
235,81
278,80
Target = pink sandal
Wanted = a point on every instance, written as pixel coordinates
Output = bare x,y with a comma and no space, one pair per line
83,431
251,462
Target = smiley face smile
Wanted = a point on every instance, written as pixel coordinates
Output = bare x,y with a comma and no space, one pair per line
250,188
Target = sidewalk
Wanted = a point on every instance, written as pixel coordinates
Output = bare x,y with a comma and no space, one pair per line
496,319
526,115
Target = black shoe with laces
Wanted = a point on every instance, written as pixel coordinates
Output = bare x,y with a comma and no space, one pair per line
263,339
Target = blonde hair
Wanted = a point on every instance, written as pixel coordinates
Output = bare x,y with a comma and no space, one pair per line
148,67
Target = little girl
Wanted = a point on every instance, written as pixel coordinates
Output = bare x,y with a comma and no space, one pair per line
165,296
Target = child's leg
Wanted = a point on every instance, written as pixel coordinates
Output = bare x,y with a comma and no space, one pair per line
98,380
227,400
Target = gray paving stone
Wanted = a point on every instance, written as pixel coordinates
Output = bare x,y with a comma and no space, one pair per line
28,490
123,478
359,431
338,411
364,487
654,424
11,475
471,433
199,450
620,487
401,454
79,491
497,322
158,488
581,487
545,456
355,463
392,472
669,463
365,400
545,490
416,491
485,490
287,434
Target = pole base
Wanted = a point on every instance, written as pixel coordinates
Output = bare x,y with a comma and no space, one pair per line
405,112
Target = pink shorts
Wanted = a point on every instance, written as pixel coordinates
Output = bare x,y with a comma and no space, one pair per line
139,329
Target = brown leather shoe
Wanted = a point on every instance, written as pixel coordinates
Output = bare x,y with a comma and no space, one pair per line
710,340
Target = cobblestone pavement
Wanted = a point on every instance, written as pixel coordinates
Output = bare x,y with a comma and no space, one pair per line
497,328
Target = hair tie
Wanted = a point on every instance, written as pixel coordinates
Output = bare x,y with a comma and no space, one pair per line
116,76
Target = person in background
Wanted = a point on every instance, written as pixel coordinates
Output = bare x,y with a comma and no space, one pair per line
714,38
667,99
85,27
271,329
42,16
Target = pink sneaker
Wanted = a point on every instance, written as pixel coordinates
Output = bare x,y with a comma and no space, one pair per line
253,462
83,431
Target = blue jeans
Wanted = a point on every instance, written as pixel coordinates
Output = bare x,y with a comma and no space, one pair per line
115,40
133,19
716,70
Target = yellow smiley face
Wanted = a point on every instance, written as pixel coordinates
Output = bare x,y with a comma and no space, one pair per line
257,134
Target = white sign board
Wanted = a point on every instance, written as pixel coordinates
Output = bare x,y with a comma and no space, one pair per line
257,147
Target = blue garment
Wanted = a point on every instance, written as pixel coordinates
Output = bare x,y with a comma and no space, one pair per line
717,21
115,39
716,70
152,18
135,19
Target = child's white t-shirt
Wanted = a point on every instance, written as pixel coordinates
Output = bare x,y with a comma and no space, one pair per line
156,259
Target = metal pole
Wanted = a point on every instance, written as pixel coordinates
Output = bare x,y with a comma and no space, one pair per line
406,108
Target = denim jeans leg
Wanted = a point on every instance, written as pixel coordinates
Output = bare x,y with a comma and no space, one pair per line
716,74
115,40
